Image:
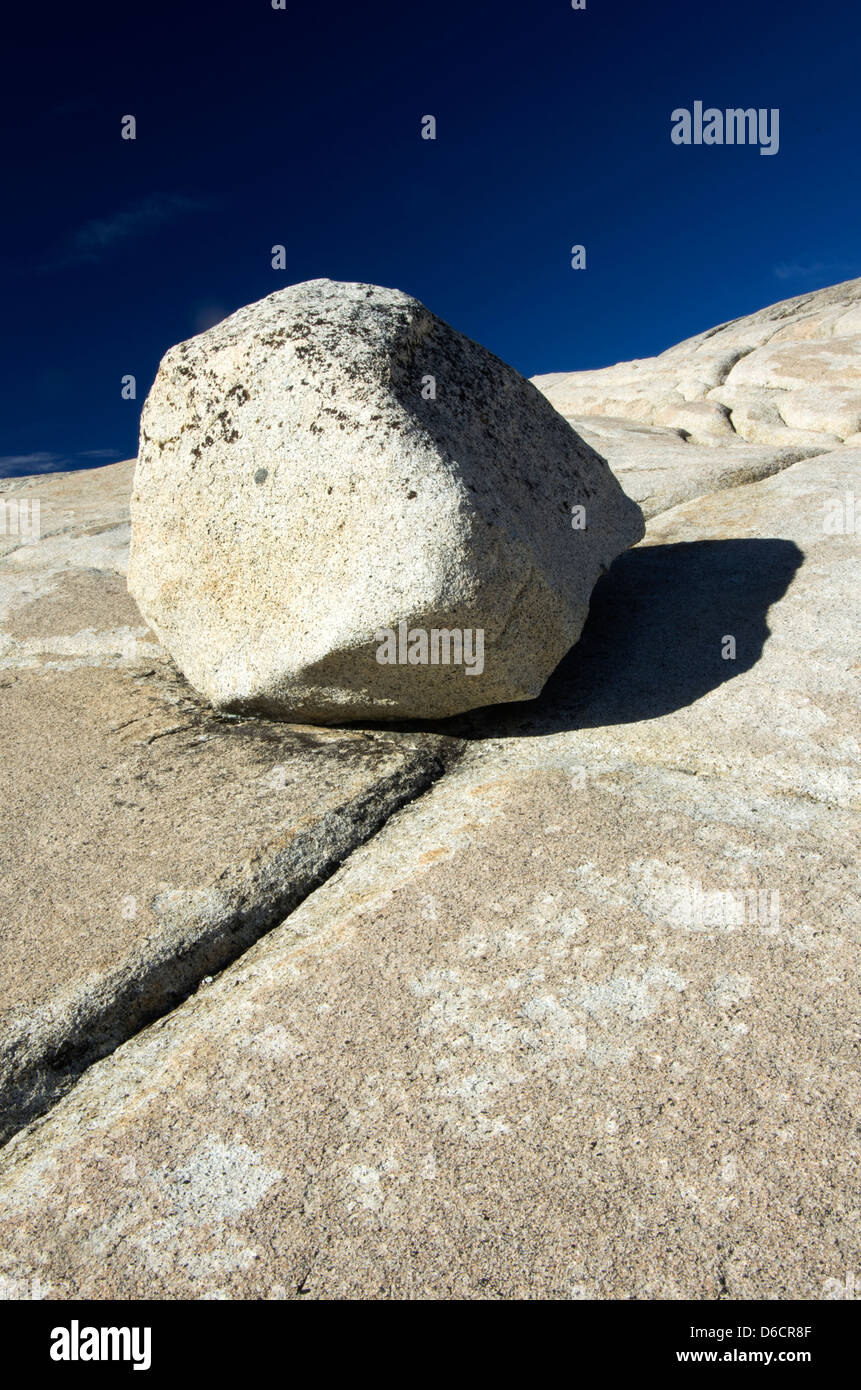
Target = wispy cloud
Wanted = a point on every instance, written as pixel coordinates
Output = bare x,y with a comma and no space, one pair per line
20,465
801,270
24,465
95,239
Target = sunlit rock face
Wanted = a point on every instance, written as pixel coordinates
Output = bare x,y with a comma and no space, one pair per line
344,509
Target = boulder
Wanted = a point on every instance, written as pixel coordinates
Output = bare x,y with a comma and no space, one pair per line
344,510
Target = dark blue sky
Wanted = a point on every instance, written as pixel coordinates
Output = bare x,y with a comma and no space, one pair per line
257,126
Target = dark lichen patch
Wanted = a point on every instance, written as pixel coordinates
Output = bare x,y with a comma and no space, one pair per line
228,431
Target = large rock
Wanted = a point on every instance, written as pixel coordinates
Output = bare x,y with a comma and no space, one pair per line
334,462
786,376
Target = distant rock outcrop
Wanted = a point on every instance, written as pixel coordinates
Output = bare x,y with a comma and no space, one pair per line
344,509
786,376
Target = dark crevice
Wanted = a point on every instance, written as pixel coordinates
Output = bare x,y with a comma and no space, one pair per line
94,1025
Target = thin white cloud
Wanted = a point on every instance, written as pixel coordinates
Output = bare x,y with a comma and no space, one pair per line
800,270
29,463
96,238
23,465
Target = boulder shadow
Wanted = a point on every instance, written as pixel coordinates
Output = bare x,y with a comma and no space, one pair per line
654,637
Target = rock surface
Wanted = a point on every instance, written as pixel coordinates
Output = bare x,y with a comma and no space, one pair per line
297,496
578,1022
532,1039
659,468
787,376
145,841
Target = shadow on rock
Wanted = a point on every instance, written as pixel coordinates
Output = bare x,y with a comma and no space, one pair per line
654,637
